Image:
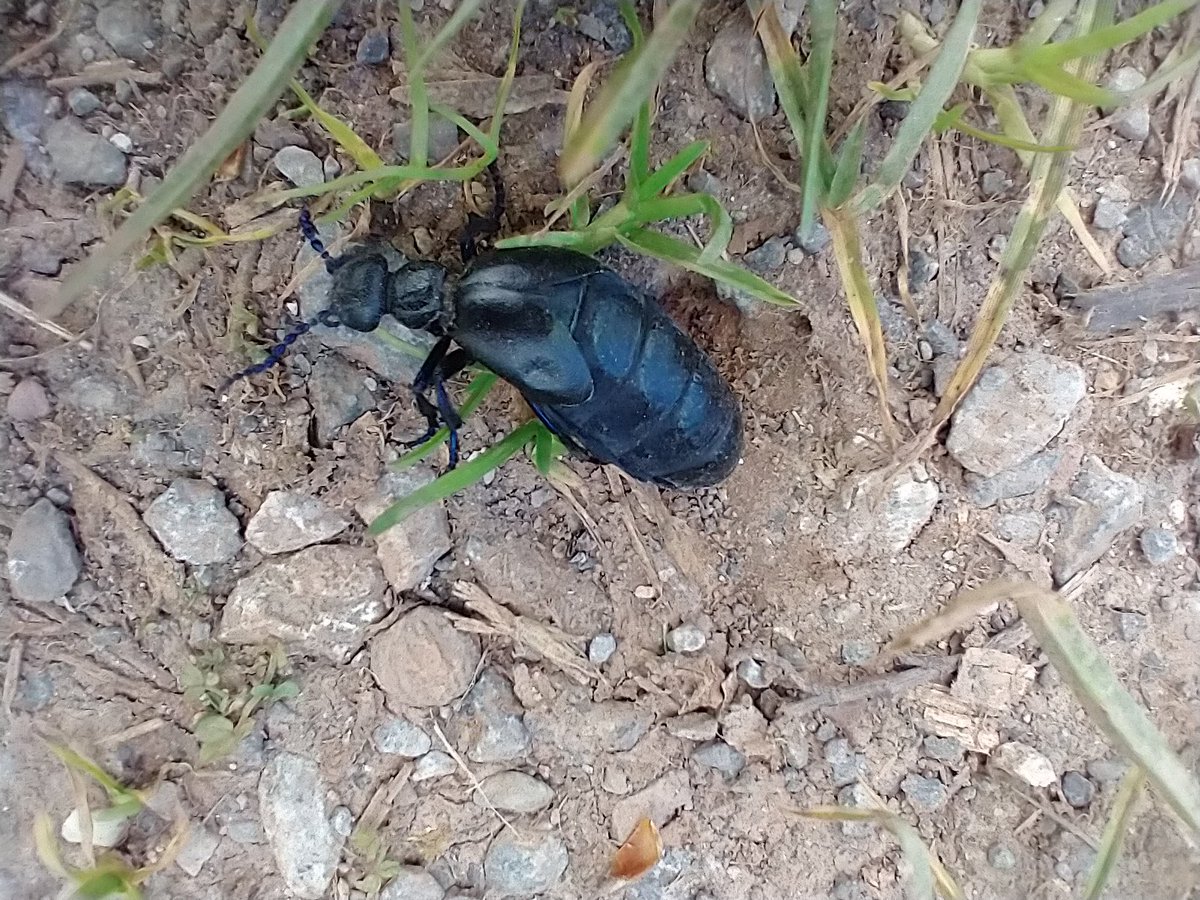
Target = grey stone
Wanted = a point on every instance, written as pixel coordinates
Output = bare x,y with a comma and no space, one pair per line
98,396
1027,478
768,256
206,20
720,756
1189,174
943,341
81,157
341,819
1022,528
993,183
409,550
686,638
846,765
1152,228
790,731
943,749
291,800
412,883
441,140
925,794
1077,790
523,865
42,560
299,166
857,653
83,102
693,726
816,240
603,23
1130,625
197,849
922,269
128,28
28,401
191,521
493,720
908,506
374,48
856,796
1132,119
289,520
1105,504
515,792
753,674
1107,771
1000,856
321,601
1160,545
35,691
434,764
601,648
1109,214
338,394
422,660
23,109
735,69
402,738
1013,411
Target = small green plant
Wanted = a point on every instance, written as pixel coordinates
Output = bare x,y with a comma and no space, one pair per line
229,697
371,865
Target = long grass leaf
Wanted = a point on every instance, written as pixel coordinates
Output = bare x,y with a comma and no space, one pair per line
1108,37
680,206
849,166
822,29
636,77
1042,28
786,71
1115,830
639,135
671,170
510,74
940,83
1059,81
418,94
478,389
302,25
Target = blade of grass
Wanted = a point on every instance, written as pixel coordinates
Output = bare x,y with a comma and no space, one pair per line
456,479
480,385
1109,36
666,174
849,166
682,205
822,28
619,100
1115,830
940,83
418,95
639,135
302,25
1047,22
580,209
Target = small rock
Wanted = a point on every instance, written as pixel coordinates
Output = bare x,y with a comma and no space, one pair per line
109,828
1024,762
991,679
525,865
1152,228
122,142
1109,214
28,401
601,648
686,638
789,730
98,395
515,792
402,738
1189,174
299,166
735,69
1130,625
128,28
943,749
341,819
856,796
585,729
1159,545
491,721
434,764
925,794
693,726
943,341
81,157
374,48
289,520
744,727
322,600
205,20
846,765
83,102
751,672
768,257
1001,857
441,140
857,653
659,801
191,521
408,550
291,801
1131,120
1108,504
720,756
412,883
1023,528
1077,790
338,394
816,240
1027,478
43,561
1013,411
922,269
198,848
993,183
422,660
1107,771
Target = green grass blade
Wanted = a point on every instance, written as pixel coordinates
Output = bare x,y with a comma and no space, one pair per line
1047,22
456,479
1061,82
633,82
303,24
953,118
682,205
546,449
1108,37
418,94
940,83
639,135
1162,76
463,14
510,73
786,71
666,174
822,29
479,388
1115,830
686,256
849,166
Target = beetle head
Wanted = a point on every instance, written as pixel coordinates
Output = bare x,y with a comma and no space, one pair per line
359,292
416,295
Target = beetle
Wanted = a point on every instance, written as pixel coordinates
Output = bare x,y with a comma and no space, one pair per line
598,360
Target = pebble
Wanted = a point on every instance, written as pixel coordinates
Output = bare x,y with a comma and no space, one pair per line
523,865
735,69
1107,771
1013,411
922,269
28,401
374,48
1109,214
1189,174
23,111
205,20
1000,856
816,240
720,756
767,257
434,764
289,520
658,801
1152,228
847,766
128,28
409,550
686,638
291,800
856,796
751,672
321,601
515,792
693,726
1024,762
1077,790
338,396
198,848
423,661
1160,545
603,23
191,521
441,140
925,794
1132,119
1023,528
1019,481
491,721
42,562
122,142
909,505
402,738
944,749
1130,625
790,731
993,183
83,102
857,653
299,166
601,648
412,883
1105,505
81,157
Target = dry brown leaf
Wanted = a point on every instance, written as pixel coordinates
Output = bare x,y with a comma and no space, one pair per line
232,165
639,854
473,94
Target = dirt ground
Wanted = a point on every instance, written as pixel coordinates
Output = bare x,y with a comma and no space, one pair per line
789,569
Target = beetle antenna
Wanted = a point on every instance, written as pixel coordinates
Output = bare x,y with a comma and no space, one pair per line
309,229
276,353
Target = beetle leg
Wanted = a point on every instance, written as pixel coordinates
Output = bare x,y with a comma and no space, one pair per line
483,226
450,416
425,374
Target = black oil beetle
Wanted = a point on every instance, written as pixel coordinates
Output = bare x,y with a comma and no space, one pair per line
598,360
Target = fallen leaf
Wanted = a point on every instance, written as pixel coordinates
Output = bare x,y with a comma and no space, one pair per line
639,854
473,94
232,166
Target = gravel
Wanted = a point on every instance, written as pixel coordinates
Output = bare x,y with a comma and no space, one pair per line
693,726
401,737
299,166
943,749
1152,229
339,396
42,562
1130,120
374,48
409,550
925,794
720,756
191,521
1160,545
412,883
768,257
81,157
752,673
128,28
1105,504
525,865
812,242
1024,762
1109,214
491,721
289,520
423,661
1130,625
198,848
515,792
83,102
434,764
1000,856
291,799
1077,790
601,648
846,765
857,653
686,638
